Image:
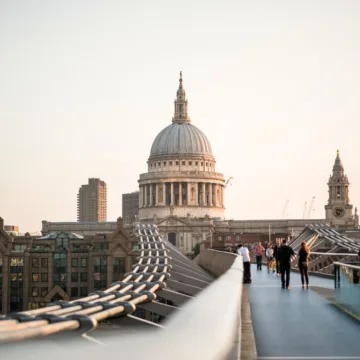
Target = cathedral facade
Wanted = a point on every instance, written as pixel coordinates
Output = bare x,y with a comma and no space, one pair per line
181,191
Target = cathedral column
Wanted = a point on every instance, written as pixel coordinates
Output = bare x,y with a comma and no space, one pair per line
210,195
188,194
164,194
203,195
196,193
140,196
151,195
222,196
171,193
156,194
145,195
180,193
216,202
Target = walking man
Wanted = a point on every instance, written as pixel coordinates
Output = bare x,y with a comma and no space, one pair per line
259,250
244,252
284,254
276,249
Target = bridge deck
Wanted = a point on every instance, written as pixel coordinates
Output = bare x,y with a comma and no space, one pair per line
298,323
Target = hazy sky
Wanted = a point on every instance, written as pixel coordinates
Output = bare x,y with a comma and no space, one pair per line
85,86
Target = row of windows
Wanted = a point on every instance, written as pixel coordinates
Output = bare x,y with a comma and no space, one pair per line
182,163
36,277
43,262
36,291
75,262
227,238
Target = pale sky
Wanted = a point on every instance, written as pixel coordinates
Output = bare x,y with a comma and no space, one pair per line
87,85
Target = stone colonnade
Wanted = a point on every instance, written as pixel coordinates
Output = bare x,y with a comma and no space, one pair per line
181,193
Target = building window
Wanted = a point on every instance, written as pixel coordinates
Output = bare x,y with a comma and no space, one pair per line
83,262
154,164
237,237
159,163
220,238
35,262
170,163
206,164
35,292
202,164
16,284
196,163
35,277
17,262
44,262
83,291
164,163
183,163
228,238
190,162
74,292
150,165
60,271
100,272
74,262
74,277
20,248
176,163
44,277
118,268
83,277
44,291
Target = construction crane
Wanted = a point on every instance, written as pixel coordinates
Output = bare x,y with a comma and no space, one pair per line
284,210
227,181
310,207
304,212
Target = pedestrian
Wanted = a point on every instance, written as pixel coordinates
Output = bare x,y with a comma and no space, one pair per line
244,252
276,249
304,254
259,250
285,253
269,253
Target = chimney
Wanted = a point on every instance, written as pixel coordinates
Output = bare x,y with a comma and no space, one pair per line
119,223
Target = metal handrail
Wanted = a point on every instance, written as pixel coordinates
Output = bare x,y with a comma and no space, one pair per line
346,265
121,298
333,254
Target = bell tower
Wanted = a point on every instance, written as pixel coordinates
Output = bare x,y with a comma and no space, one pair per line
339,211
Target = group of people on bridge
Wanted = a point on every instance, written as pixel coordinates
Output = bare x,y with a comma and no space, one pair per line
279,258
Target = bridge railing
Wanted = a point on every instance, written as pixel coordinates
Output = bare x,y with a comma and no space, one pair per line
347,285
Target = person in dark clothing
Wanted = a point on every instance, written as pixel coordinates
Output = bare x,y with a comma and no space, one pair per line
285,252
276,249
304,254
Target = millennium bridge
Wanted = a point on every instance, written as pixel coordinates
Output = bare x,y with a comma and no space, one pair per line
170,307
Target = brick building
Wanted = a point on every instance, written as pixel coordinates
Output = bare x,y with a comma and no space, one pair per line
35,271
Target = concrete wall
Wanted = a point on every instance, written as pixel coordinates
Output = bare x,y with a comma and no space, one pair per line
215,262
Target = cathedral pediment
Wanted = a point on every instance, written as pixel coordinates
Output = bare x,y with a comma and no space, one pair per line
174,221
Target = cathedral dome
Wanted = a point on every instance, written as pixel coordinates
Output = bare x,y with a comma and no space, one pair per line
181,139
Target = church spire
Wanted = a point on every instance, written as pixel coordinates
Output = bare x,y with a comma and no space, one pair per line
338,166
181,105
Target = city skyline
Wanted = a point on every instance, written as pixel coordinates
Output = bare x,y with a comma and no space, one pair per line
273,88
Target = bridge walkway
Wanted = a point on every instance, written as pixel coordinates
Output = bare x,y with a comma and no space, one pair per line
299,324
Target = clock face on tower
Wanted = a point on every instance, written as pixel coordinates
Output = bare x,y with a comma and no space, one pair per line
339,212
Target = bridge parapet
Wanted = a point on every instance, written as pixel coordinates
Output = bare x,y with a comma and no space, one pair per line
216,262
